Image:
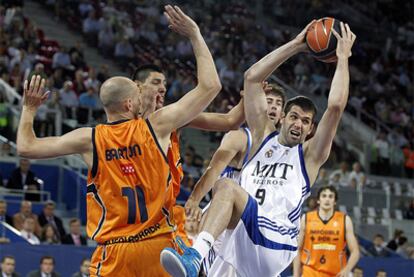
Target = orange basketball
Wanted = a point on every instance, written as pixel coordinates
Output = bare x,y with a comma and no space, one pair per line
321,41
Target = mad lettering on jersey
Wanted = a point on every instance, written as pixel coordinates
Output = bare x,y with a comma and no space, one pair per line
271,174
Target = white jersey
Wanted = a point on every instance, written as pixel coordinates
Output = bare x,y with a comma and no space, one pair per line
276,177
264,242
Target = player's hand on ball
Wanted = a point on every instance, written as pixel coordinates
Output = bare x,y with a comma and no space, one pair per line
180,22
345,42
34,94
300,38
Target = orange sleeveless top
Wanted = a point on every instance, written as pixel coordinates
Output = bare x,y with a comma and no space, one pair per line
175,163
128,184
324,245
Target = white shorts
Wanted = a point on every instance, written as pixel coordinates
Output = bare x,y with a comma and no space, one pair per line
246,252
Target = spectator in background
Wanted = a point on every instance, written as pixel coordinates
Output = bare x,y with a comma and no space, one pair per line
84,268
61,59
68,99
3,213
28,231
39,69
22,177
91,27
4,116
378,248
409,213
26,212
89,99
357,272
393,244
48,217
47,266
78,84
343,174
92,80
124,52
323,179
49,235
188,166
8,265
311,204
381,273
6,150
357,174
74,237
383,155
409,160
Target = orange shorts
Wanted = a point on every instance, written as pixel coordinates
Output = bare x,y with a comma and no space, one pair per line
131,259
310,272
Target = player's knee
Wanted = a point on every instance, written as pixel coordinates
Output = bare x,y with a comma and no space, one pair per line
224,186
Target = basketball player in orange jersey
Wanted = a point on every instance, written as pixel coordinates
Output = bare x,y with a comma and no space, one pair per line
128,170
153,75
324,235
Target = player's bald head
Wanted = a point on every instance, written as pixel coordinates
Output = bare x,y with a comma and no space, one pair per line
115,91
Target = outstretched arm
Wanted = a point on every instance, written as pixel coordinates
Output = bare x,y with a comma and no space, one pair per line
219,121
193,103
78,141
231,144
353,247
255,100
320,144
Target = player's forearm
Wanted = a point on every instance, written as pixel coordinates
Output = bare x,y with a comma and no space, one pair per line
297,266
236,116
261,70
353,259
338,96
204,185
207,75
25,134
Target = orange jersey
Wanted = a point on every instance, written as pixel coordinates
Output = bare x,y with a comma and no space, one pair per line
128,184
323,252
175,163
179,218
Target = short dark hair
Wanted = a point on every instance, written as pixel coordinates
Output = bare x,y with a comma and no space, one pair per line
303,102
380,270
50,203
379,236
47,258
279,91
7,257
331,188
84,260
73,220
143,71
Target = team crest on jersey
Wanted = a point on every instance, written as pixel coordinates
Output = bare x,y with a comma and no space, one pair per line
128,169
335,224
269,153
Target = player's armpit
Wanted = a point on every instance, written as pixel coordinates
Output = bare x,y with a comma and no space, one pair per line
78,141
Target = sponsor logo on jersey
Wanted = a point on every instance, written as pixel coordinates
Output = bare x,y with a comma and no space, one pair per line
324,246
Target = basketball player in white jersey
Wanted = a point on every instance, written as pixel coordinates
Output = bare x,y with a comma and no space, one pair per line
278,174
227,162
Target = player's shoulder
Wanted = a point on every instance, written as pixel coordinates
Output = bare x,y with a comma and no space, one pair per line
234,139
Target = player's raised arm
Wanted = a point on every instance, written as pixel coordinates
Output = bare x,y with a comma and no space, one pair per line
220,121
193,103
320,144
29,146
230,145
255,100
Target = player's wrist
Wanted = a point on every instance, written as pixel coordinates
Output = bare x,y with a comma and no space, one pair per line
30,109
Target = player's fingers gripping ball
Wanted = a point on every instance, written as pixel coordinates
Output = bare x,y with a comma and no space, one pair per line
321,41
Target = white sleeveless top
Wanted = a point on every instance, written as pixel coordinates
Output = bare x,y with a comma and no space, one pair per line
276,178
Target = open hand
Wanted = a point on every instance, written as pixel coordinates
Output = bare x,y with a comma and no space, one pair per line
345,41
180,22
34,94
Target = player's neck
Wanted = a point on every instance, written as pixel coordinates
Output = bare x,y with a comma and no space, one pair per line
325,214
118,117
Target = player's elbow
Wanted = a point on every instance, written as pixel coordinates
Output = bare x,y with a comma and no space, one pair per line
250,76
23,150
211,86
